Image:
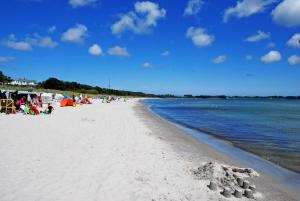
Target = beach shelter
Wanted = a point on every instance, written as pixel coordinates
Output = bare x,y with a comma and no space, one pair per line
85,101
28,95
66,102
46,98
58,97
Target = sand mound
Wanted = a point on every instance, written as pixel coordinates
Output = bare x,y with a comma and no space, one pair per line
223,175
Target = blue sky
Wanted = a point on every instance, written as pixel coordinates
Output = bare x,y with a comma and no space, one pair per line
245,47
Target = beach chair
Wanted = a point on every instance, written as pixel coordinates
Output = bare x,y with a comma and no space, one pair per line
7,106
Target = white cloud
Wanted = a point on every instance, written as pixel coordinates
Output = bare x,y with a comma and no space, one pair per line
246,8
12,43
118,51
287,13
272,56
271,45
219,59
258,37
41,41
294,41
193,7
95,50
199,36
249,57
75,34
29,42
145,16
147,65
6,59
294,60
81,3
165,53
51,29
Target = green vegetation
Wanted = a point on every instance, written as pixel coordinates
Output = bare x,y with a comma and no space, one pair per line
53,83
4,78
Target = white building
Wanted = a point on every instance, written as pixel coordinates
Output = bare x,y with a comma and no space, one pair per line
23,82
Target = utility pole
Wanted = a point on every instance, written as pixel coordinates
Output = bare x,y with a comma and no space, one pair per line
109,83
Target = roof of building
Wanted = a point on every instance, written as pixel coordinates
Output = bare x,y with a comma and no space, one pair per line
25,80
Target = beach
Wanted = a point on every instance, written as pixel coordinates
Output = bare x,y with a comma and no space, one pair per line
118,151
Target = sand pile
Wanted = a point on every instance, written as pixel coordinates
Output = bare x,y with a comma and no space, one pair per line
227,178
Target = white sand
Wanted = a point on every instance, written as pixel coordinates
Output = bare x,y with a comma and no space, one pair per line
92,152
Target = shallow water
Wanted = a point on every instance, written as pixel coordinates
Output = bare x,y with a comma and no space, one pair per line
267,128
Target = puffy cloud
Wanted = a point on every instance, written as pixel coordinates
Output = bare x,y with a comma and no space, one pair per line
199,37
29,42
41,41
165,53
75,34
81,3
95,50
246,8
51,29
258,37
145,15
294,60
219,59
271,45
193,7
294,41
272,56
12,43
6,59
147,65
118,51
249,57
287,13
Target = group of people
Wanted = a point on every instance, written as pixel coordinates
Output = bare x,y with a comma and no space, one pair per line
32,108
32,103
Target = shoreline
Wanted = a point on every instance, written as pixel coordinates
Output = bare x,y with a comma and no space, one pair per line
272,189
191,129
114,152
219,143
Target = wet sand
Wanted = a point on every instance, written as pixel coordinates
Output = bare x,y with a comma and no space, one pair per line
195,152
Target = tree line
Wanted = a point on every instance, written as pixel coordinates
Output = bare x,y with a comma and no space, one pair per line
54,83
4,78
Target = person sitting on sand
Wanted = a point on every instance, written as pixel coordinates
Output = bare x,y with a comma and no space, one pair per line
25,108
22,107
49,109
34,110
22,101
19,103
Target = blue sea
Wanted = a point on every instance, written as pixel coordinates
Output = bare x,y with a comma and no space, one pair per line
267,128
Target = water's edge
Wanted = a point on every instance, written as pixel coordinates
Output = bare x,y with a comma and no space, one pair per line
281,175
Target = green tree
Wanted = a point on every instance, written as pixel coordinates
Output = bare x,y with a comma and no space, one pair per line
4,78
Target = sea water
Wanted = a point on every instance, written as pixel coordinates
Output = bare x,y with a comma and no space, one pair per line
267,128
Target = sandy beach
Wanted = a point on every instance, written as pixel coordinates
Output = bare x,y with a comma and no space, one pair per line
113,152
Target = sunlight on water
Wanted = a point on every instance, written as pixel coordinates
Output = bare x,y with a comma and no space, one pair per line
267,128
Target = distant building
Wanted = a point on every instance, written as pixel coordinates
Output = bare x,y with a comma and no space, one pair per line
23,82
